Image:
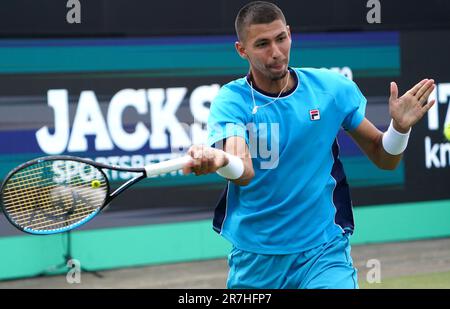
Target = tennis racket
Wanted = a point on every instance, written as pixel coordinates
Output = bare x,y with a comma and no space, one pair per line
56,194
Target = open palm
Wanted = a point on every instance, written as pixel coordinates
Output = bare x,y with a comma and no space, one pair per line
412,106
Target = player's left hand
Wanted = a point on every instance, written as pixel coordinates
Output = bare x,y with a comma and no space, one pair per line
410,107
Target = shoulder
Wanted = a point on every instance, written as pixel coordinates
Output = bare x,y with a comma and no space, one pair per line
325,80
234,89
233,94
233,98
343,90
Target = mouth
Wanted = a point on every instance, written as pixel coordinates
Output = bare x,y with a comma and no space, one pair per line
277,66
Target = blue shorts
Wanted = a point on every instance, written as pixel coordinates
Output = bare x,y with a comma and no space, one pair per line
328,266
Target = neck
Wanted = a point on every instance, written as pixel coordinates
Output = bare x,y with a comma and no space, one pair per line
283,84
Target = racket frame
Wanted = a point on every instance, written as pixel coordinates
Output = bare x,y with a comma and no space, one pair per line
99,166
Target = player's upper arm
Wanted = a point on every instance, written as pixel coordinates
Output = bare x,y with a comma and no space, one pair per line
229,114
353,104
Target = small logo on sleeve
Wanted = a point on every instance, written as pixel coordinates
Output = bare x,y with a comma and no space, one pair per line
314,114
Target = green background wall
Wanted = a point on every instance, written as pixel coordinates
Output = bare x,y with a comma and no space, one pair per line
25,256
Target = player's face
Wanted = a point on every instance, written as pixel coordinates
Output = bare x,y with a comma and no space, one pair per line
267,48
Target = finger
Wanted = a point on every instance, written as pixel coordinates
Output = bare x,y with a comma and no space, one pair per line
427,106
205,165
424,88
416,88
424,98
197,154
197,164
220,161
208,153
195,170
394,91
193,165
193,151
186,170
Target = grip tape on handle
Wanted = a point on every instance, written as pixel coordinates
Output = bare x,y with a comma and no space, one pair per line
166,166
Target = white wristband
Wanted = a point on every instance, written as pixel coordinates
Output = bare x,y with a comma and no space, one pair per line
395,142
234,169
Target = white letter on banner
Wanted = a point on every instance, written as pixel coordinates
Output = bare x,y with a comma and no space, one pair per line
120,101
163,117
56,143
199,96
89,121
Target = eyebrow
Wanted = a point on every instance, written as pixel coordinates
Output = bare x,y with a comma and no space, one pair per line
265,39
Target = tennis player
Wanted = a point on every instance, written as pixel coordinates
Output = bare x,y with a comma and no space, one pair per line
290,222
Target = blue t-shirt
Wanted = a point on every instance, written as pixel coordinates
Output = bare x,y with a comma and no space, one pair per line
299,197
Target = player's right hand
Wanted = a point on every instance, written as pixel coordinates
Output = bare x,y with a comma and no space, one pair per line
206,160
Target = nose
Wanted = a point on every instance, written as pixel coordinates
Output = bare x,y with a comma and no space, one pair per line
276,52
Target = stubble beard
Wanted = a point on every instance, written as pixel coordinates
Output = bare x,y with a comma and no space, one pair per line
276,78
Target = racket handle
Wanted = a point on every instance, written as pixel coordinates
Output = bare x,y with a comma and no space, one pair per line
167,166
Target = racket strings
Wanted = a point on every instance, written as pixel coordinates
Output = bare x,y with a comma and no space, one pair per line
34,194
37,207
31,206
62,209
63,200
34,200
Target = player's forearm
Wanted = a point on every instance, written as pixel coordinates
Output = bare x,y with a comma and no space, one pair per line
247,176
234,163
384,149
241,164
391,145
386,160
377,154
237,147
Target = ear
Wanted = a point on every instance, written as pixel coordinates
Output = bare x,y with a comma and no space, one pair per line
288,31
240,49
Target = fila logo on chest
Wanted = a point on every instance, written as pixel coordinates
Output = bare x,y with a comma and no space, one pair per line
314,114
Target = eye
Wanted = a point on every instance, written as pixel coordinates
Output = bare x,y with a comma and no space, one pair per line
281,39
262,44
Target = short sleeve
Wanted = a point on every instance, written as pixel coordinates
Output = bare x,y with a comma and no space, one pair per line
227,117
354,104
